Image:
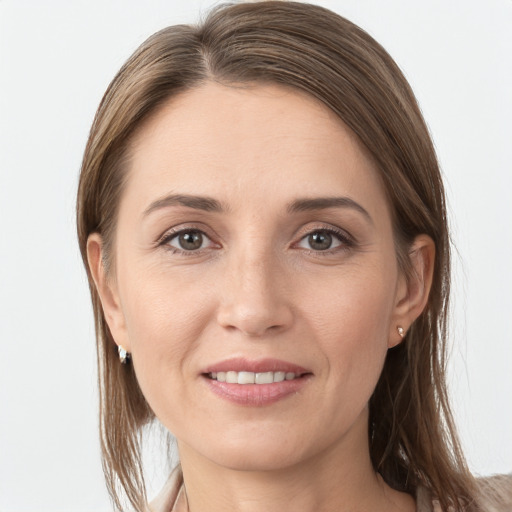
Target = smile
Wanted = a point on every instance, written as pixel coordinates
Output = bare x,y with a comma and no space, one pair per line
233,377
255,383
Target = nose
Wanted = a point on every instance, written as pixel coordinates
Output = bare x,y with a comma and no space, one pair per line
255,297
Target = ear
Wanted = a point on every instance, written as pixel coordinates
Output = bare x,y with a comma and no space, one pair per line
107,291
413,290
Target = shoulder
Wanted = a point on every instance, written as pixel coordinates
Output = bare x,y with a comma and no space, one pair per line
495,493
166,498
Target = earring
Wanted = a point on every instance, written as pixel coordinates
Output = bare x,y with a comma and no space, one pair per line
123,354
400,330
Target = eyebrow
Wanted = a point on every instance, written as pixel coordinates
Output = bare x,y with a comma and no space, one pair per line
322,203
207,204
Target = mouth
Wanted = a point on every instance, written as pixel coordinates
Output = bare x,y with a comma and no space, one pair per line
255,383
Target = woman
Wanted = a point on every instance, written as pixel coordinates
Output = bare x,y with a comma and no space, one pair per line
263,222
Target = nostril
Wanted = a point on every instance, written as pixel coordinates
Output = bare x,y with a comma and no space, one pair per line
255,306
255,322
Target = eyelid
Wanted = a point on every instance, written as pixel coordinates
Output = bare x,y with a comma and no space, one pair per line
169,234
344,237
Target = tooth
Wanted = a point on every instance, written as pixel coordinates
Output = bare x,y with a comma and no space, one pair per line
264,378
246,378
231,377
279,376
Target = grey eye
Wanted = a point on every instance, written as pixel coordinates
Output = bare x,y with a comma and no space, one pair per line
320,240
188,240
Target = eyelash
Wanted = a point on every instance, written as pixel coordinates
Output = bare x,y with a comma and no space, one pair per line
164,240
346,241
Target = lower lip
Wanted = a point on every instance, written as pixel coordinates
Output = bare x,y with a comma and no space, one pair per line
256,395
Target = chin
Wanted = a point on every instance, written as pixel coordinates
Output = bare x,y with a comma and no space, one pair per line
255,460
249,451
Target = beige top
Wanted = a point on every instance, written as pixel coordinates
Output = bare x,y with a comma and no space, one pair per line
496,495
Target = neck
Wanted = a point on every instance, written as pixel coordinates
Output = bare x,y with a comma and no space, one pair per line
339,479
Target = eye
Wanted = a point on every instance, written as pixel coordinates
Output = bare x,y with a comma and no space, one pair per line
188,240
323,240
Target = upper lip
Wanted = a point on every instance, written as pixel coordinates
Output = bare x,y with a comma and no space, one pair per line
240,364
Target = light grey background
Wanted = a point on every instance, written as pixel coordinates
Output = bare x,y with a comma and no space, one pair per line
56,59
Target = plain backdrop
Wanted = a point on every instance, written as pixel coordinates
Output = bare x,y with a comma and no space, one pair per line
57,58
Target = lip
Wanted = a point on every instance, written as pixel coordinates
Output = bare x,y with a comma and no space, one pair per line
240,364
256,395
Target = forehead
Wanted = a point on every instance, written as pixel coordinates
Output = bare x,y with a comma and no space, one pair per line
256,139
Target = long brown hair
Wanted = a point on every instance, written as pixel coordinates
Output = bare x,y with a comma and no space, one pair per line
411,433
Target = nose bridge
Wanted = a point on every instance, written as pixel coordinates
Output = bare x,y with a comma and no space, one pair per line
254,298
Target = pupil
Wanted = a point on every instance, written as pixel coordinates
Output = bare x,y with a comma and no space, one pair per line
320,241
191,240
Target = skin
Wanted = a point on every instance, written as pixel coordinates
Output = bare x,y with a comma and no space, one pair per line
256,288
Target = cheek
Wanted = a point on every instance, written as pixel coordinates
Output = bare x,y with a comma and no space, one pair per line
164,321
351,320
163,310
357,304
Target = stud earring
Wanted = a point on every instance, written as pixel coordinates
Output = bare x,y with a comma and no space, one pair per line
400,330
123,354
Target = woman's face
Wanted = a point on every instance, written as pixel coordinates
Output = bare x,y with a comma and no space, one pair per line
254,244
